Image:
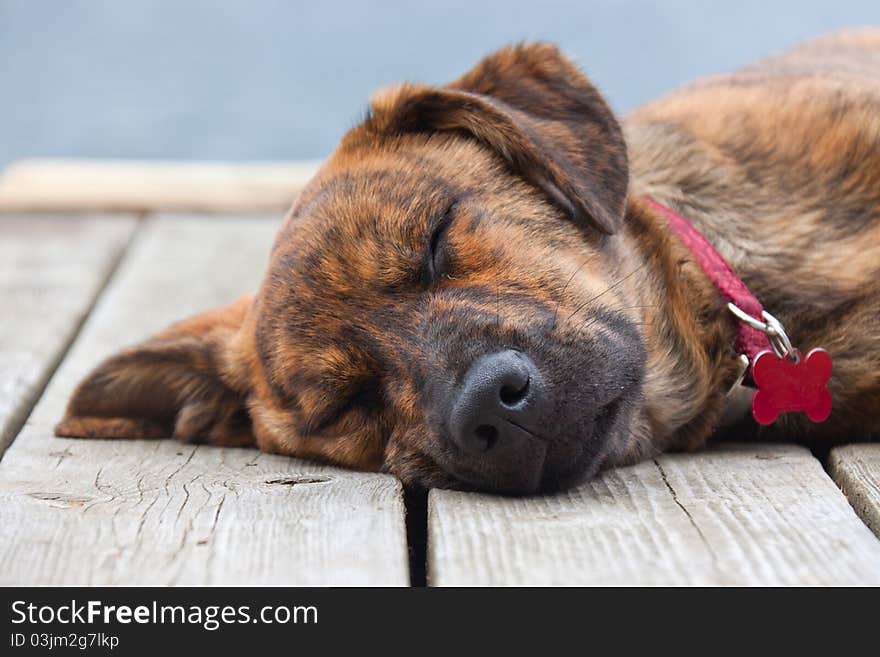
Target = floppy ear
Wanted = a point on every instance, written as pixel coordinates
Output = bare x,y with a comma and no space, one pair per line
533,107
187,383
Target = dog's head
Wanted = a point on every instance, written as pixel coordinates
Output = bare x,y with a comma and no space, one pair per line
443,302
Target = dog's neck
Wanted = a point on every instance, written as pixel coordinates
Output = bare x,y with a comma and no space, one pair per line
688,334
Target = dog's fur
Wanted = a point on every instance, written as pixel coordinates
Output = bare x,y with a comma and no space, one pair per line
506,210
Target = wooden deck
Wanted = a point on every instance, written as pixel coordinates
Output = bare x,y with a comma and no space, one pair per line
94,257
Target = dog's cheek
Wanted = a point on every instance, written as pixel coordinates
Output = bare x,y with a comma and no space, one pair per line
406,458
633,441
271,429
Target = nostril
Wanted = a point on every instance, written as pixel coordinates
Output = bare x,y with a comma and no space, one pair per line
487,436
511,395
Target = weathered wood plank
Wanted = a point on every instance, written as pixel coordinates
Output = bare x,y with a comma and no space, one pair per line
140,186
158,512
738,515
51,269
856,469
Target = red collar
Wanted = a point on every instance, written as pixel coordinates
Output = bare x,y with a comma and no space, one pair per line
748,340
786,381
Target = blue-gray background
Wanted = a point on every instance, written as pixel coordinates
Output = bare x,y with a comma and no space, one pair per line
263,79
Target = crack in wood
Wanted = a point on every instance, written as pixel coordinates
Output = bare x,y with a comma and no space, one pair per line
302,479
72,500
687,513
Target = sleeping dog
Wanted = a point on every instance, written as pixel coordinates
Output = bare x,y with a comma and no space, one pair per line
480,289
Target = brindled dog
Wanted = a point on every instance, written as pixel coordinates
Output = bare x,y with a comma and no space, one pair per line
474,291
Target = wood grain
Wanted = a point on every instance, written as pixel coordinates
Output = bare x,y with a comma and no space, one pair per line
139,186
51,270
159,512
735,515
856,469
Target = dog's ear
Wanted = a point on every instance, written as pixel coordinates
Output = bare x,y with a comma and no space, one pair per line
533,107
188,382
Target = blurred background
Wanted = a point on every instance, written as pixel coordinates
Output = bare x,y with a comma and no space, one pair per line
270,80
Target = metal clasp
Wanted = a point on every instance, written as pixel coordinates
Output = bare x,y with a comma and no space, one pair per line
779,341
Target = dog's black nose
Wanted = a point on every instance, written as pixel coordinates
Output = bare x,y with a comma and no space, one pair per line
493,418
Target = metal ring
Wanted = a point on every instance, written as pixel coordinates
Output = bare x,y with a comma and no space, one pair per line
778,338
743,316
772,327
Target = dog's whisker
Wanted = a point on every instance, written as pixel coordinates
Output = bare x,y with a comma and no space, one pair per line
608,289
565,287
587,323
592,320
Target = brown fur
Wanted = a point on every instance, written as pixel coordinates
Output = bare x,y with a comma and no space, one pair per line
547,245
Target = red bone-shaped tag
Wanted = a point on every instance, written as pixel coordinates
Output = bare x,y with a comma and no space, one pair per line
786,385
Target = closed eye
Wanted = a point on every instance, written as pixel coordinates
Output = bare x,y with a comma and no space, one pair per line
437,261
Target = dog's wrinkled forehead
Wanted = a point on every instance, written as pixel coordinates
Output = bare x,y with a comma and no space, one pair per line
363,228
